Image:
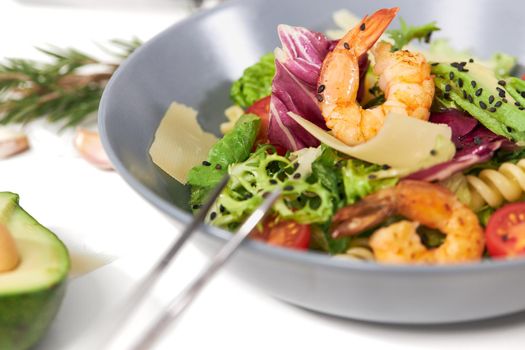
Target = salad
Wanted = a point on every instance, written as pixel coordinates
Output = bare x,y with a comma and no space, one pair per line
384,150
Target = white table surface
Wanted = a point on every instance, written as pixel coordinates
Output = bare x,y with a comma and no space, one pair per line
96,213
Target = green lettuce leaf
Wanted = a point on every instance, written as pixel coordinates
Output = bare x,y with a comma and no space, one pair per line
234,147
255,83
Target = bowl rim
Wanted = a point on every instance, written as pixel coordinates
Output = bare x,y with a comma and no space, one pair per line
309,257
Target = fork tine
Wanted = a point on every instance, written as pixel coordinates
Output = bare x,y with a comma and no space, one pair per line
184,299
135,298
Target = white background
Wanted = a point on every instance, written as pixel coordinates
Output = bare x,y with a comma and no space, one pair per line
98,215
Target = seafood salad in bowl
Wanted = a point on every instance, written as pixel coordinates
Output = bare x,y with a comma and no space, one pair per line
398,152
384,150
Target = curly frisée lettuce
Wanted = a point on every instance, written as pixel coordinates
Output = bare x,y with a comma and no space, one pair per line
255,83
302,201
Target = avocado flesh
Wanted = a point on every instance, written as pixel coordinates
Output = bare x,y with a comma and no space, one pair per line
492,103
31,294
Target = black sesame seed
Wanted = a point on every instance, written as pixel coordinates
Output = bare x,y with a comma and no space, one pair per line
498,104
288,188
385,167
483,105
297,176
501,92
522,108
248,196
321,88
346,45
273,182
492,109
295,166
473,83
509,129
464,94
471,60
195,206
517,104
491,99
470,99
502,82
446,96
218,167
463,70
504,100
479,92
206,163
222,208
451,75
362,27
523,94
372,177
320,98
460,83
448,87
455,65
213,215
462,64
433,152
434,64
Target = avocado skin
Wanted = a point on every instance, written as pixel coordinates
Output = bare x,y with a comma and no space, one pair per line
25,315
21,330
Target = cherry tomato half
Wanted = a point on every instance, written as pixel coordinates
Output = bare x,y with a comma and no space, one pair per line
261,108
505,231
287,234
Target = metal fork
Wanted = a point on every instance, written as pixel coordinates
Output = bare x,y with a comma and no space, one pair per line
179,304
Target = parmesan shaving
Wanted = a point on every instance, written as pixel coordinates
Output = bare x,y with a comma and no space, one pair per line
232,113
404,143
180,143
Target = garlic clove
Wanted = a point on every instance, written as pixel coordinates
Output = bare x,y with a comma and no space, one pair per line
87,143
12,142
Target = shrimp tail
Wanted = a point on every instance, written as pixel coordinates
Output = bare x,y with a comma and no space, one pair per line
365,35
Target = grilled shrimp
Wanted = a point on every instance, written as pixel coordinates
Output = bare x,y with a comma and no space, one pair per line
404,77
421,203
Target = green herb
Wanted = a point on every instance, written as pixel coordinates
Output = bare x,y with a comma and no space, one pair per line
327,170
30,90
404,35
255,83
484,215
234,147
431,238
323,241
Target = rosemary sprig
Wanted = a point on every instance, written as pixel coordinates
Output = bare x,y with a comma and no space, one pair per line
62,90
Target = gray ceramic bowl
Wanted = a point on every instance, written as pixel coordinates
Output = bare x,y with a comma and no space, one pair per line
195,61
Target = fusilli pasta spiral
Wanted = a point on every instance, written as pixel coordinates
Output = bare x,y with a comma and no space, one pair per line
359,250
492,187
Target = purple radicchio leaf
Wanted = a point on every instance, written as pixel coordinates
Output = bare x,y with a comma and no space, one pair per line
476,155
294,89
474,144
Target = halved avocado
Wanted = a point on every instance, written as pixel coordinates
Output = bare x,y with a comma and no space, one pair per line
31,293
